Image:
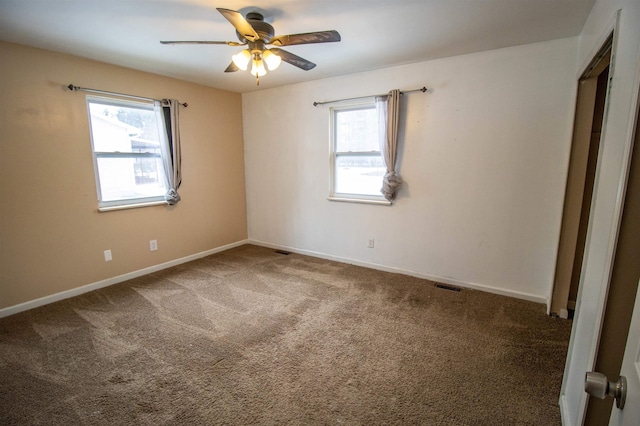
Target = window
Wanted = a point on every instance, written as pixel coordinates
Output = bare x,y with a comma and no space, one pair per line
357,165
127,138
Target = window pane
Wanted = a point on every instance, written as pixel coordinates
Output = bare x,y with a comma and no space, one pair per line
127,178
357,130
119,128
359,174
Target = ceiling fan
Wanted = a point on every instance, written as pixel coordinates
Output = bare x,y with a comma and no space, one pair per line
255,33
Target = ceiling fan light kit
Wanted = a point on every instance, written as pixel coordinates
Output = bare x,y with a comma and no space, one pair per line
273,61
258,68
255,33
242,59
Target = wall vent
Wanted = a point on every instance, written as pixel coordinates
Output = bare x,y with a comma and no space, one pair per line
448,287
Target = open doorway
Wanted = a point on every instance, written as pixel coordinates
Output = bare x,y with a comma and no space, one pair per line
590,118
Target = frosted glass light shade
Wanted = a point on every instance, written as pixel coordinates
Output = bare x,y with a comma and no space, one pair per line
273,61
258,68
241,59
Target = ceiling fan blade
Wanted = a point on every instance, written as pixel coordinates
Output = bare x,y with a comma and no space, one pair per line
232,68
306,38
228,43
293,59
241,25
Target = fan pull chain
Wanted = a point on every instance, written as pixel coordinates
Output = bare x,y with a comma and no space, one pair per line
257,80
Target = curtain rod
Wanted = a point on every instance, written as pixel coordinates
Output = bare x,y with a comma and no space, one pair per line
423,90
73,88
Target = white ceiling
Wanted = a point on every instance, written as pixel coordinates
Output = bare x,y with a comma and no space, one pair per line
375,33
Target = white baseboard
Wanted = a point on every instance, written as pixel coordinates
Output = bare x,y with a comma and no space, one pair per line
11,310
443,280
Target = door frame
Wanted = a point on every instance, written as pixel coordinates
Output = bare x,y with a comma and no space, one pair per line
575,211
574,403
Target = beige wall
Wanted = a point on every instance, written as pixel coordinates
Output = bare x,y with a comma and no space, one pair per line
51,236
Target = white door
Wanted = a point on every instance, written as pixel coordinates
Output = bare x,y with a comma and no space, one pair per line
607,206
630,415
604,222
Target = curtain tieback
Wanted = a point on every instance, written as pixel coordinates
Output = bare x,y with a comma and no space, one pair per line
172,197
390,183
393,179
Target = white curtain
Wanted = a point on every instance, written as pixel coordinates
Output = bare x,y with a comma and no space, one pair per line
388,108
168,109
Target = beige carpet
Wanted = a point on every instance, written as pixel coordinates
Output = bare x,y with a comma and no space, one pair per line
251,336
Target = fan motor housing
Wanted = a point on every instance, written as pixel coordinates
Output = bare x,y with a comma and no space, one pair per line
264,29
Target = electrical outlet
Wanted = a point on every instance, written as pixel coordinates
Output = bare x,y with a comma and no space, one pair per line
371,243
107,256
153,245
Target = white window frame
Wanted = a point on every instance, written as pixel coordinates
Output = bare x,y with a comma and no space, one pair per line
334,155
125,203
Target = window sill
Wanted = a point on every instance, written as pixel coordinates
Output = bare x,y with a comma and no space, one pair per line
360,200
130,206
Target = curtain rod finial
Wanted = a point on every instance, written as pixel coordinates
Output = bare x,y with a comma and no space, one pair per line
71,87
